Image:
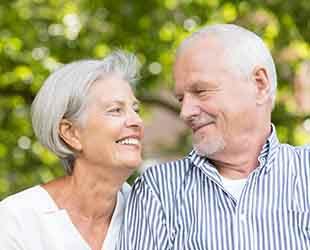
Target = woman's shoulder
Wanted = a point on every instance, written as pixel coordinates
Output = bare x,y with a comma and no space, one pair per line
22,196
24,221
18,208
33,198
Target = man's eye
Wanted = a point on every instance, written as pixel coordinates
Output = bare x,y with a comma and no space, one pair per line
180,99
137,110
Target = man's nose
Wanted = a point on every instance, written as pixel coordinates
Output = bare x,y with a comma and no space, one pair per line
189,108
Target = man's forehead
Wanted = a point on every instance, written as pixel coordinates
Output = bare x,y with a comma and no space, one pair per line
207,43
201,54
191,82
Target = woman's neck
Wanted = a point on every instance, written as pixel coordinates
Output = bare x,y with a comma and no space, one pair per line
90,192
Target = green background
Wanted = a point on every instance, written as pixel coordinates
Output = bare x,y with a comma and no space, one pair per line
36,36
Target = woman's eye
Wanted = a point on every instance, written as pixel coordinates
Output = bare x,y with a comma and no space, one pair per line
200,91
115,110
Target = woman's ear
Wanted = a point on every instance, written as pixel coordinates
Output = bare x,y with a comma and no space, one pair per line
70,134
262,84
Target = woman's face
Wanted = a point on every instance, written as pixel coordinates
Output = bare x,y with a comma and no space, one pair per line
112,130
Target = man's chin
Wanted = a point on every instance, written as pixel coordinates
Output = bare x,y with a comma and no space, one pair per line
209,149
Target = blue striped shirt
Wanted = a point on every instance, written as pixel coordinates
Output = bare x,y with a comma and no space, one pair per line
183,205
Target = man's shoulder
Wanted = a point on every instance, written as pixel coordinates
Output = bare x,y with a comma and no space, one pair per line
167,169
297,157
168,175
303,150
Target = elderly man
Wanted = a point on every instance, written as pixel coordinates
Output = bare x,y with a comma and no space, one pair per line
239,188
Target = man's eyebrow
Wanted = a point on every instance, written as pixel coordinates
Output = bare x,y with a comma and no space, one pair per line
136,102
176,94
194,84
203,84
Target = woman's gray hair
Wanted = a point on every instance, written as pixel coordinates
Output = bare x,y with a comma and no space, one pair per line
243,48
64,95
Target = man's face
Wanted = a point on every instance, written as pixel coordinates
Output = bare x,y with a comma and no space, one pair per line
217,102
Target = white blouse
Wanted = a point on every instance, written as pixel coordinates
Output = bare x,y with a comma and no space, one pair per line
31,220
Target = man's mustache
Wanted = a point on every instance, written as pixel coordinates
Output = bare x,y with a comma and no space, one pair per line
196,122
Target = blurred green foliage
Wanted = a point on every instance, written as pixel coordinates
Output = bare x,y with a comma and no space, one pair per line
36,36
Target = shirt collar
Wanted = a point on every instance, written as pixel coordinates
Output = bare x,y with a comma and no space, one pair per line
203,163
267,155
270,149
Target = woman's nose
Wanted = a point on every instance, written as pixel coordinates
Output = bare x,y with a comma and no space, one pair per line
134,119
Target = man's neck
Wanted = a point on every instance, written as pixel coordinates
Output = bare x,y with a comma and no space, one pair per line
243,159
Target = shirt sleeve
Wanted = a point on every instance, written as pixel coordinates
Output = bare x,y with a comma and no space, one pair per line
144,221
9,233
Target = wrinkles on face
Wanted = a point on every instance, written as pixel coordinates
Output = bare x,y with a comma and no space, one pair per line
205,143
195,122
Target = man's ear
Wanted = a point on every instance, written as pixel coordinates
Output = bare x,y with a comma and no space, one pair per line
262,83
70,134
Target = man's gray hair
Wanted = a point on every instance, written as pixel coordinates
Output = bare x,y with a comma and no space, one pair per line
243,48
64,95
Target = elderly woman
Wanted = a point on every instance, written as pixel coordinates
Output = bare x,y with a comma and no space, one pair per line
87,115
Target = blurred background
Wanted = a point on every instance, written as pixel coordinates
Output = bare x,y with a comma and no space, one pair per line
37,36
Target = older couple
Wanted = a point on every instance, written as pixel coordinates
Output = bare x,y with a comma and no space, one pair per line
239,188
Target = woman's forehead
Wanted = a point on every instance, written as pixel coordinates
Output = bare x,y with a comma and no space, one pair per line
112,89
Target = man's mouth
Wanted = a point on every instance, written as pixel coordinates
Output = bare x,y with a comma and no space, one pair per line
195,128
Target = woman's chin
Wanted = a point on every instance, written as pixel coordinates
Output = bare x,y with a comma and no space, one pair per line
133,163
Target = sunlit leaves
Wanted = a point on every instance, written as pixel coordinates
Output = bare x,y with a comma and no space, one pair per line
101,50
229,12
167,32
301,48
171,4
73,26
3,150
23,73
37,36
302,136
11,46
